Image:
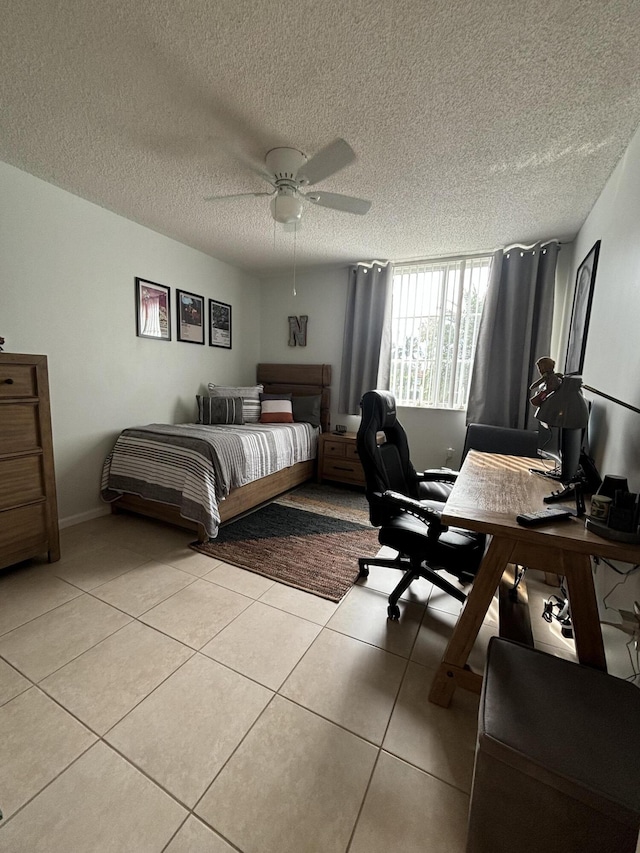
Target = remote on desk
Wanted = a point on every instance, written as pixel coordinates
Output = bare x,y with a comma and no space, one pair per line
545,516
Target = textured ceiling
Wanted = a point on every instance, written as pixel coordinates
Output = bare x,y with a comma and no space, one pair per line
476,124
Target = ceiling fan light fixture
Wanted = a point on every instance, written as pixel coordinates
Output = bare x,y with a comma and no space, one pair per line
286,208
288,170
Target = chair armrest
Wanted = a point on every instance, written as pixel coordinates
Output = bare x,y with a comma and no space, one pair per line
434,475
414,507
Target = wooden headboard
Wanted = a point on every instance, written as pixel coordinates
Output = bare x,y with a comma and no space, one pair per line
301,380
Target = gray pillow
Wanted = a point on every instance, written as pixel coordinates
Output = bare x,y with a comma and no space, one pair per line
307,409
250,395
220,410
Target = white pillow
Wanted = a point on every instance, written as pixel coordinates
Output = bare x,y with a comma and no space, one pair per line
250,398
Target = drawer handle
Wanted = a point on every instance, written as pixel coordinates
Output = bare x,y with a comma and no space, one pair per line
8,381
342,468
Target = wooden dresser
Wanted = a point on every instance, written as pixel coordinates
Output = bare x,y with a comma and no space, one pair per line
28,505
338,459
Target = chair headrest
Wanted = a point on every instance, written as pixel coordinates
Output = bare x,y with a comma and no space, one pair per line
379,406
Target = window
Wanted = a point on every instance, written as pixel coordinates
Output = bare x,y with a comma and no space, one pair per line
436,309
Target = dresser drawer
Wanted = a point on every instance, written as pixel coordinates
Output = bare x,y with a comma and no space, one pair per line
334,448
22,531
18,380
28,505
19,430
21,481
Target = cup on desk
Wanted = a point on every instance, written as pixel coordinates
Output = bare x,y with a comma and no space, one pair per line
600,506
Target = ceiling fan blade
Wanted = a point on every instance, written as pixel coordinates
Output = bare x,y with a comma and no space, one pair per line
336,201
326,162
219,119
236,195
247,160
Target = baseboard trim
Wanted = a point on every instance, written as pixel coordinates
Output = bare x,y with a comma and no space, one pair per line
72,520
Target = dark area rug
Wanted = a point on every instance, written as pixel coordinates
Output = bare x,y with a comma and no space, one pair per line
313,551
325,499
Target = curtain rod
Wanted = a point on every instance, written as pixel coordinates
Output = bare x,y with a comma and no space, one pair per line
532,246
473,255
418,261
370,264
613,399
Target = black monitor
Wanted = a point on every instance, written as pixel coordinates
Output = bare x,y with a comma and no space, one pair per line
570,446
563,446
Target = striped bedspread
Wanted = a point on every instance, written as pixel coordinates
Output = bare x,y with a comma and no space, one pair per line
193,466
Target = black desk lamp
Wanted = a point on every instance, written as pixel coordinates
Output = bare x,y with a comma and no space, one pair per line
567,409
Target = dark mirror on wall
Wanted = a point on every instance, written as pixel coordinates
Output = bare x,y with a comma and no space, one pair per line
582,299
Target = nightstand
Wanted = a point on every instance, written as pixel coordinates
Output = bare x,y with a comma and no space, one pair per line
338,459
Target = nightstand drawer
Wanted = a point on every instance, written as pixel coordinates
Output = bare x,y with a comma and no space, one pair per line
335,469
339,460
334,448
351,452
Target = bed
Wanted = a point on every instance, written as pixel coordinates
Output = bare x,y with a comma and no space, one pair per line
193,475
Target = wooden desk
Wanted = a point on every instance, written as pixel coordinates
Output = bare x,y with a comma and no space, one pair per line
490,491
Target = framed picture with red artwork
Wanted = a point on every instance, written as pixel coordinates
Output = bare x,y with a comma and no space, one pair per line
153,310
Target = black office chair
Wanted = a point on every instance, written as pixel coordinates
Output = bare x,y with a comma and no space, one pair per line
495,439
405,506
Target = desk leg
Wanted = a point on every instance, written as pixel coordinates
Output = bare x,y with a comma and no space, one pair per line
451,671
584,610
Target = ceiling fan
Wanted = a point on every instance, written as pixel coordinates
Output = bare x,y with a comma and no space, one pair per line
289,170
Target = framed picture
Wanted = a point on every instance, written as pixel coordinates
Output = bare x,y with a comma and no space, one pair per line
153,310
190,317
219,324
582,298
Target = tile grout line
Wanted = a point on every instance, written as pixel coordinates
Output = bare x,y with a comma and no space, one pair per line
321,626
225,763
8,820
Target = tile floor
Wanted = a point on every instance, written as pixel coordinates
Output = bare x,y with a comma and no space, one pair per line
152,699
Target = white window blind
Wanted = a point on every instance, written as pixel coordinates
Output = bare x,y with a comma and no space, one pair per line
436,309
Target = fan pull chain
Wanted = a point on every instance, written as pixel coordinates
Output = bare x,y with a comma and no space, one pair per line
295,234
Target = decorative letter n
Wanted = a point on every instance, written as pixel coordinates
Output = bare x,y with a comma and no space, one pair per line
298,330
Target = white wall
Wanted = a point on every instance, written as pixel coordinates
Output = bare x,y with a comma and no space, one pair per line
612,361
67,270
322,295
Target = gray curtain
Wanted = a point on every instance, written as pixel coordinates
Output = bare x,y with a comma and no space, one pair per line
366,348
515,330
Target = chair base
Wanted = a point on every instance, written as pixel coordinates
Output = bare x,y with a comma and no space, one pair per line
412,571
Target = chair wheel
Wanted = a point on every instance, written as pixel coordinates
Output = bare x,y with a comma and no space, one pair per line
393,612
364,569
